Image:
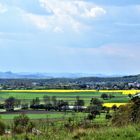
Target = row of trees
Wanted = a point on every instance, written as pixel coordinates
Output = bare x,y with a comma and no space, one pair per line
49,102
52,103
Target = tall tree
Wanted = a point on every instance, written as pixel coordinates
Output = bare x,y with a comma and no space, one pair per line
46,99
10,104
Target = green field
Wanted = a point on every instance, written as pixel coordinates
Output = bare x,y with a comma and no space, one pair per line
50,122
69,96
54,115
26,97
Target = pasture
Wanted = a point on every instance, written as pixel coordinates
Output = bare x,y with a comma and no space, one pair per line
26,96
66,95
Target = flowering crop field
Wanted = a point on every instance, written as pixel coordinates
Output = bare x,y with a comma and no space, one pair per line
111,104
71,91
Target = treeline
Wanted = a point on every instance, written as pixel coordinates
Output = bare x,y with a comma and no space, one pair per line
126,82
94,108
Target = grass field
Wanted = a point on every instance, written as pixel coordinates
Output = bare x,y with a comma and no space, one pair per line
28,95
130,132
54,115
67,95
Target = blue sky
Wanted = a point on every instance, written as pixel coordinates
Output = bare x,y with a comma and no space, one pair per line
86,36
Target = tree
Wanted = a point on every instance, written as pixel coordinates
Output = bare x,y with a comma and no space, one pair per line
62,105
79,102
111,96
25,106
104,96
95,106
95,101
17,103
130,95
46,99
108,116
10,104
91,117
35,101
94,110
54,101
35,104
114,107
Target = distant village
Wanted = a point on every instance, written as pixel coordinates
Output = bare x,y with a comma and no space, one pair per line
63,83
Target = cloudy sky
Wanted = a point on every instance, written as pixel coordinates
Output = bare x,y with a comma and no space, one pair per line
87,36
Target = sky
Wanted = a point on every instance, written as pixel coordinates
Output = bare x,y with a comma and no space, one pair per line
73,36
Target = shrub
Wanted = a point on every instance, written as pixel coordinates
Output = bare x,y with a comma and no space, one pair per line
122,116
21,120
22,124
2,128
128,114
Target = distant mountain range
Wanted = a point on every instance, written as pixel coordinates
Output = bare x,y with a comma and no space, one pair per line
11,75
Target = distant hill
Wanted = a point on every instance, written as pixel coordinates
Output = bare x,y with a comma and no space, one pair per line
70,77
11,75
131,78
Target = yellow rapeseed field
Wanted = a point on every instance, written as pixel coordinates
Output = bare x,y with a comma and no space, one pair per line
51,90
67,91
122,91
111,104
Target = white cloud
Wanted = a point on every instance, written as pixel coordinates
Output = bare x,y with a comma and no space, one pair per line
94,12
37,20
58,29
65,14
3,8
125,51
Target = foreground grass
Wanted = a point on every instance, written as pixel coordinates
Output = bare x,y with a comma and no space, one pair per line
33,116
103,133
55,115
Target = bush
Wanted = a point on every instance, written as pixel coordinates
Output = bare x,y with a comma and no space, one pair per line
22,124
128,114
21,120
2,128
108,116
91,116
122,116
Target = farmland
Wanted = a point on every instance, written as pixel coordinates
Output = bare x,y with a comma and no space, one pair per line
48,121
26,96
68,95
